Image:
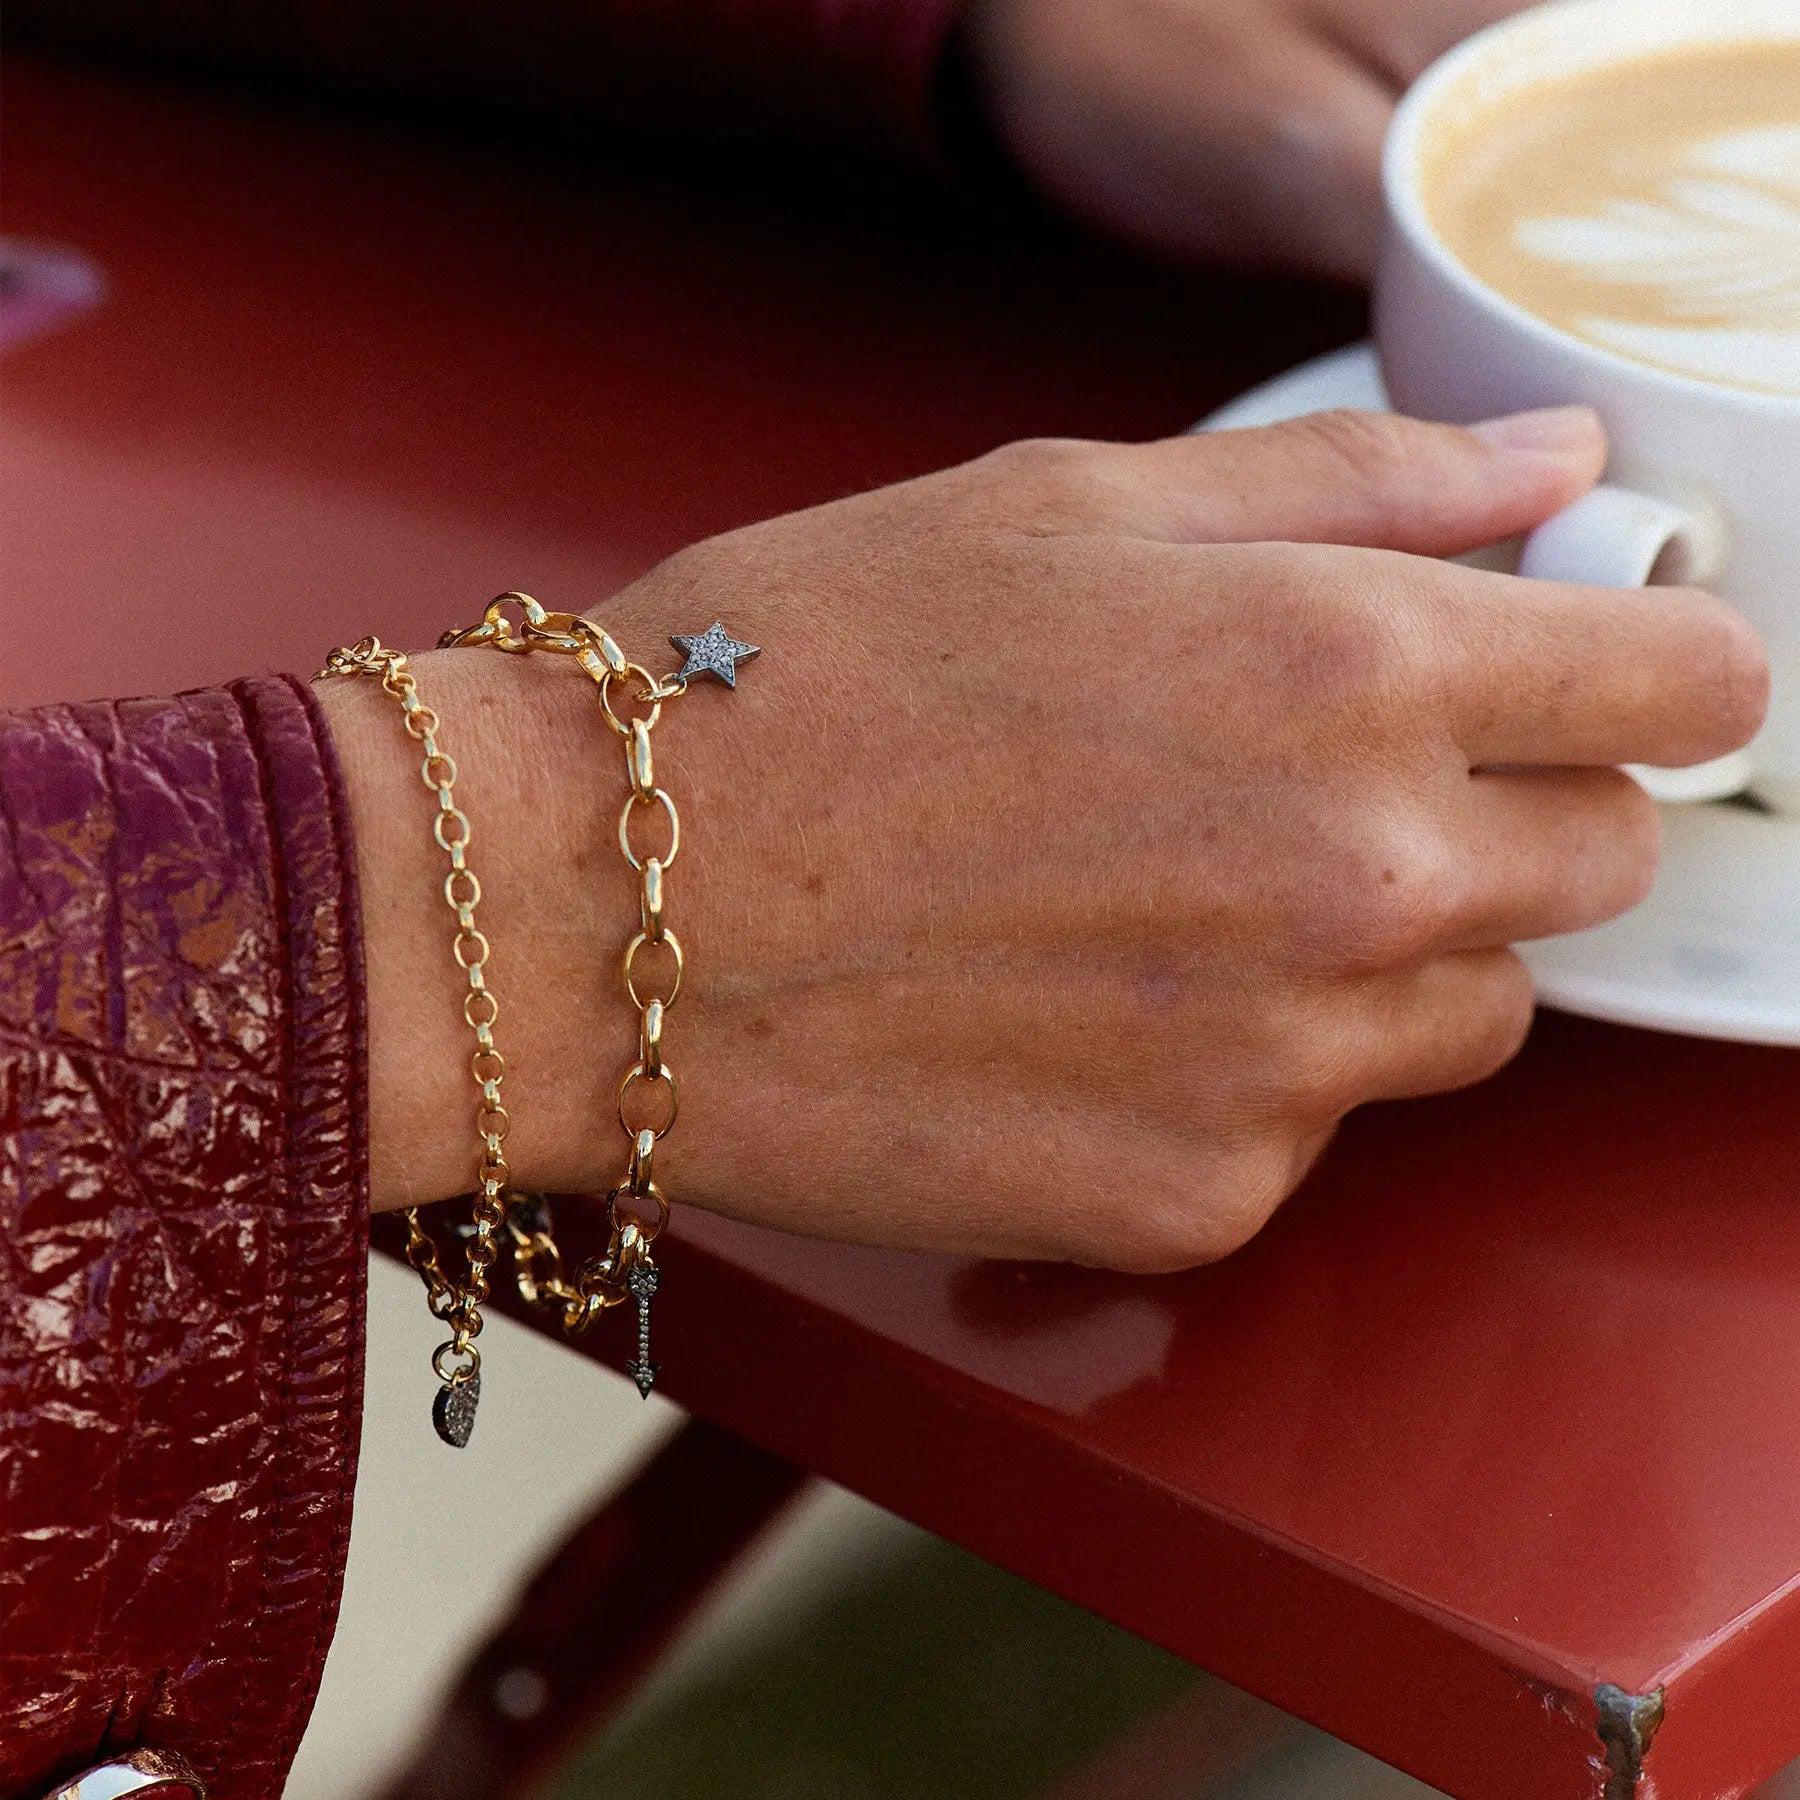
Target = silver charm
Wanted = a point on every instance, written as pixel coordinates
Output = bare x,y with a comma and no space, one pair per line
527,1215
643,1281
453,1411
714,652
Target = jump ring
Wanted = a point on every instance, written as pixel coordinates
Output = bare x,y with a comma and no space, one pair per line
458,1376
658,795
630,1218
631,950
497,629
665,1075
651,690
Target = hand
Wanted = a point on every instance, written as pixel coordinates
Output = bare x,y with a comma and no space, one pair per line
1076,854
1241,131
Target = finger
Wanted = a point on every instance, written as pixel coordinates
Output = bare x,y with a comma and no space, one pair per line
1450,1022
1371,479
1548,673
1302,129
1544,851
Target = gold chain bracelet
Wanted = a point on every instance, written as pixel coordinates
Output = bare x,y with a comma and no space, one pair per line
457,1361
637,1207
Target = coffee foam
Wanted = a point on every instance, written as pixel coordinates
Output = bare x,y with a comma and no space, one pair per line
1651,207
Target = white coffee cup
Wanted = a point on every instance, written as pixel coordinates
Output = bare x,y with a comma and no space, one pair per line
1704,482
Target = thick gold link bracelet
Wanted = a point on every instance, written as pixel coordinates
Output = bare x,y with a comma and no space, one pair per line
457,1361
637,1206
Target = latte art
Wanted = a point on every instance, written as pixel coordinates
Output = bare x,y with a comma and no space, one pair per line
1722,241
1652,207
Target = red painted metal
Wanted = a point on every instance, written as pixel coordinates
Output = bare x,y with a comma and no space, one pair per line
1503,1409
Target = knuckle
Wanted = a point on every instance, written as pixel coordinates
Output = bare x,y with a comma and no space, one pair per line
1347,642
1385,898
1211,1204
1043,468
1500,1025
1319,1072
1358,444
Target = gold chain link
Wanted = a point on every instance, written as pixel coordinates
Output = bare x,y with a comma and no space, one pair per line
638,1208
458,1360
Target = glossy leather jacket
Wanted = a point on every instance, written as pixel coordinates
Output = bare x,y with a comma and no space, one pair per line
183,1231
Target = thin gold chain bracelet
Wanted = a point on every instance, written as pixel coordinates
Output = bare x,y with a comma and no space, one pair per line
637,1206
457,1361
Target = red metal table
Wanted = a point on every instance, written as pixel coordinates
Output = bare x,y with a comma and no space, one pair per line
1485,1456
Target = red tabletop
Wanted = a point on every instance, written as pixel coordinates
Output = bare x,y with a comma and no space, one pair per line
1486,1455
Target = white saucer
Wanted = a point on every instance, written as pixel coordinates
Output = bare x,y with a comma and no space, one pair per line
1715,950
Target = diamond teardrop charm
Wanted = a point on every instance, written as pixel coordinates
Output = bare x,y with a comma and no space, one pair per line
453,1411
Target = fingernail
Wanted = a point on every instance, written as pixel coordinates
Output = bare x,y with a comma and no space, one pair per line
1548,431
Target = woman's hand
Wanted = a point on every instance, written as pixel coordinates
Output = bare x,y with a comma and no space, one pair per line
1080,849
1247,131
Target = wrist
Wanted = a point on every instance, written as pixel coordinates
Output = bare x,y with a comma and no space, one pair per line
542,780
520,733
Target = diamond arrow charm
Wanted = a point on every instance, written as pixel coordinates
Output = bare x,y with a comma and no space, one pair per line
643,1282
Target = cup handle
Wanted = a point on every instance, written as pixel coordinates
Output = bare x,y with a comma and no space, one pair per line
1614,537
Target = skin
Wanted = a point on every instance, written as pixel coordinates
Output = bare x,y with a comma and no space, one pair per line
1101,823
1241,131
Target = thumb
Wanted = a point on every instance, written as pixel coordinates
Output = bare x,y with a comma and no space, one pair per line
1372,479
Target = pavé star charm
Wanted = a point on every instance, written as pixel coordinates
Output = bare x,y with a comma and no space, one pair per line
713,652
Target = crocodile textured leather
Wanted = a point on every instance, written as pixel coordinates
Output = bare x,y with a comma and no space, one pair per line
183,1230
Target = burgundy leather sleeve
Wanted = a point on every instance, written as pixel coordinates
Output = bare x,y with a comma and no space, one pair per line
183,1230
858,71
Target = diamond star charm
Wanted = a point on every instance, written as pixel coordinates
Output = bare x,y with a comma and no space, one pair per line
713,651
